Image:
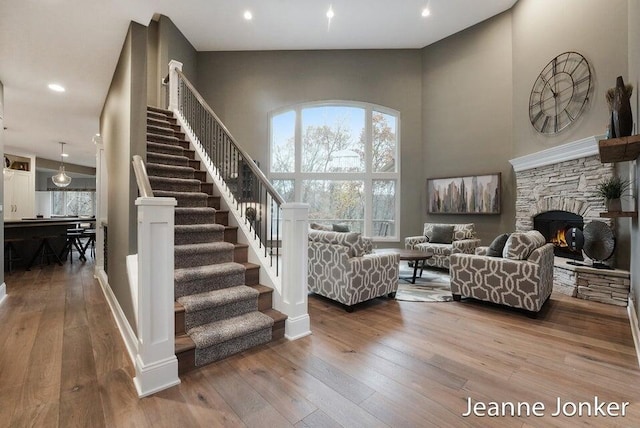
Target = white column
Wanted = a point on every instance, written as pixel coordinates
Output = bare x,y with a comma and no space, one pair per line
156,362
173,83
295,220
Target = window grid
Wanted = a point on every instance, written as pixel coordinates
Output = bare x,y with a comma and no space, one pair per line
372,227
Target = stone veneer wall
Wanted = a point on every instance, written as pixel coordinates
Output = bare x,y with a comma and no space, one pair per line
567,186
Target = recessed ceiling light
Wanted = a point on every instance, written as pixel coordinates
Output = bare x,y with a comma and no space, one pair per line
248,15
330,13
425,12
56,87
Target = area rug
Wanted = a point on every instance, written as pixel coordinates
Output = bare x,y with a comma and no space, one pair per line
434,286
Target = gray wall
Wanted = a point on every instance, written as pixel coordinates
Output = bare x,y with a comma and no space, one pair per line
467,116
634,78
174,45
543,29
164,43
123,130
243,87
154,92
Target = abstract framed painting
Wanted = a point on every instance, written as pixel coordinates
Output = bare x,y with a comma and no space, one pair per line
473,194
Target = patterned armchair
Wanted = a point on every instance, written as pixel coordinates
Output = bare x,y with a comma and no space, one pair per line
342,268
463,241
522,278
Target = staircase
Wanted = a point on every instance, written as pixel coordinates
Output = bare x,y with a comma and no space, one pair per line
220,309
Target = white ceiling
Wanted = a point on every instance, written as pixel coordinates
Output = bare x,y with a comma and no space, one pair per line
77,43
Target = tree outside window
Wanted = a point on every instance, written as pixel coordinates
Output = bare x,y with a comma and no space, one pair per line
343,162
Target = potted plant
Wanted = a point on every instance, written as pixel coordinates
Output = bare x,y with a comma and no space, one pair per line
611,189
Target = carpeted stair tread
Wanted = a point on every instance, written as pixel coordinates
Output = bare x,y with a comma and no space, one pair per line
167,149
159,129
160,110
218,332
200,279
217,298
174,184
193,216
164,139
185,199
204,227
203,254
197,233
169,171
166,159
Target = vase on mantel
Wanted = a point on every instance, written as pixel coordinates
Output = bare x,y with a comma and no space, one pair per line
614,205
621,117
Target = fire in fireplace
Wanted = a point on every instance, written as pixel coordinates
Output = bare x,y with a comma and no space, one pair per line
553,225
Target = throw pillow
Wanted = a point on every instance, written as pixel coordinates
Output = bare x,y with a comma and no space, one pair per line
520,245
441,234
497,246
341,228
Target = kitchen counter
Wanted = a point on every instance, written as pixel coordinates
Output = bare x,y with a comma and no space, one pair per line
27,234
54,221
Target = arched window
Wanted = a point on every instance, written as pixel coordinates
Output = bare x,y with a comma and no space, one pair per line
342,158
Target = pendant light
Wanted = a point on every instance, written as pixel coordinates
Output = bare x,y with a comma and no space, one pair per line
61,179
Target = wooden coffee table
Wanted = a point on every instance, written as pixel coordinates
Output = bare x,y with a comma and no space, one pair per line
417,257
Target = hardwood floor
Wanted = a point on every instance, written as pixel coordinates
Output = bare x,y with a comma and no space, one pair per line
389,363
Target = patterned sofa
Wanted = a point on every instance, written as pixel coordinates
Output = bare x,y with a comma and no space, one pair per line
522,278
342,268
463,241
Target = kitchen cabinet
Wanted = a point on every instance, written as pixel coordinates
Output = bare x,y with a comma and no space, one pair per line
19,194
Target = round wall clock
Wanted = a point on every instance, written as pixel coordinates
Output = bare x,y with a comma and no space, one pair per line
560,93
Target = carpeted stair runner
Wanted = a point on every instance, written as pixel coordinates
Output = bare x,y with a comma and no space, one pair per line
221,312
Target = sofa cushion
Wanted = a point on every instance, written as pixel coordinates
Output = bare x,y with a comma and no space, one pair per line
357,245
463,231
497,246
520,245
441,234
435,249
460,231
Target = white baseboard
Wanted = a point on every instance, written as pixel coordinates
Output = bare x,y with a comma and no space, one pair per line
129,337
295,328
3,291
635,331
155,377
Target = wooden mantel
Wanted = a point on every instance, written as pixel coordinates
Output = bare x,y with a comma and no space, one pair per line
619,149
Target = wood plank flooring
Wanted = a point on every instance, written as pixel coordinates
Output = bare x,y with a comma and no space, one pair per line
389,363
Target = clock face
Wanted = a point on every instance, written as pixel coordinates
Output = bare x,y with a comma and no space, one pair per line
560,93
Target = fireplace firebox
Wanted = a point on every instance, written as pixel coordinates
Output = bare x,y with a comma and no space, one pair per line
553,225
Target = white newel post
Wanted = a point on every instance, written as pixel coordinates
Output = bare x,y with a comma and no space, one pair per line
156,362
295,220
173,83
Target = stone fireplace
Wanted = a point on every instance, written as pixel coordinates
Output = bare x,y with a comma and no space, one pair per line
556,189
563,178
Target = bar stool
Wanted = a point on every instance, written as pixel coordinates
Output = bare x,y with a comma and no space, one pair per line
91,234
44,250
73,240
10,253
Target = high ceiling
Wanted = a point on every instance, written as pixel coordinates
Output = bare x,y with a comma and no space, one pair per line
76,43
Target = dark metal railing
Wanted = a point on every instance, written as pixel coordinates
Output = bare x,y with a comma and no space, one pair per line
254,196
